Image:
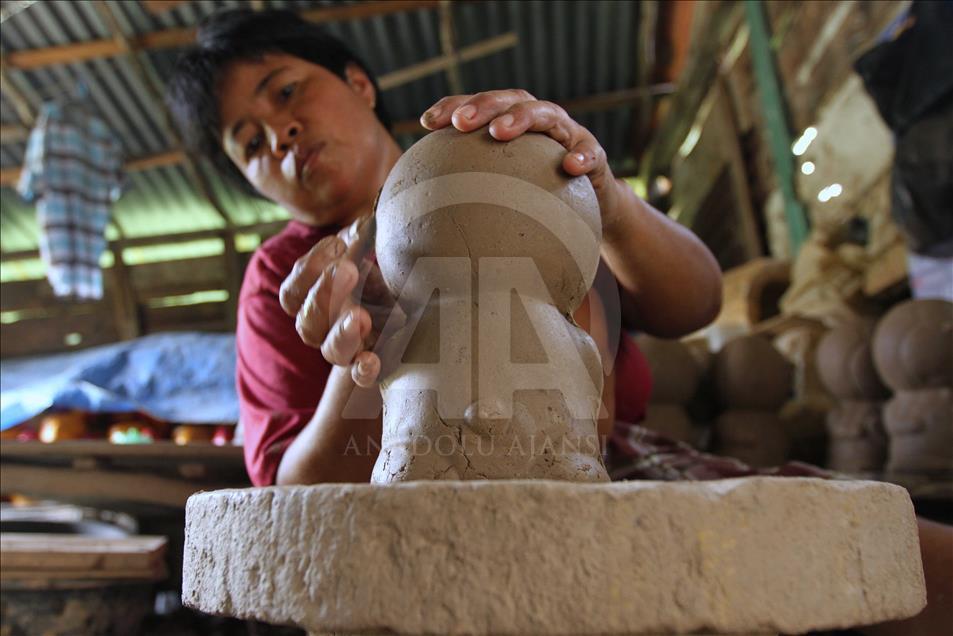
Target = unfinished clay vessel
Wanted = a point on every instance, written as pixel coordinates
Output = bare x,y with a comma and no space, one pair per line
913,352
753,381
675,378
858,442
489,247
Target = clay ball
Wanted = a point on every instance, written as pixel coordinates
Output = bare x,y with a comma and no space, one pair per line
675,372
846,365
751,374
913,345
456,194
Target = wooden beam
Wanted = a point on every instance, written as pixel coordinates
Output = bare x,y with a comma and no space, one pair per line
592,103
233,278
9,176
156,7
176,37
149,77
443,62
616,99
713,26
20,103
99,485
13,133
268,227
645,52
125,307
448,46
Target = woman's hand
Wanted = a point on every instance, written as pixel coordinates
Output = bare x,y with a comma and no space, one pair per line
510,113
339,301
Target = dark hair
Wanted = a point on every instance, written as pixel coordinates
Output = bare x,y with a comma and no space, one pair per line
234,35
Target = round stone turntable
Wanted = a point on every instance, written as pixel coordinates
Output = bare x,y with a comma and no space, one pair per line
758,555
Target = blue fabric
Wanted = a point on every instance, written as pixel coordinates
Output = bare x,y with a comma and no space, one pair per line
178,377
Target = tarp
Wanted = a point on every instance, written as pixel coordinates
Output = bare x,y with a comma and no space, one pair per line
177,377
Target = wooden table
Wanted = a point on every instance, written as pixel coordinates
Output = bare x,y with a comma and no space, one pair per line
103,474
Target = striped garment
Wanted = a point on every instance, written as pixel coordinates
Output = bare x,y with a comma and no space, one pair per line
72,169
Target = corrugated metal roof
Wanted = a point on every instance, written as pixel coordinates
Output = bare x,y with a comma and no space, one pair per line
566,50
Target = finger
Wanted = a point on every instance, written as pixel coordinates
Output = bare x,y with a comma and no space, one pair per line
438,115
346,338
586,157
538,116
372,293
366,369
358,238
482,107
306,271
325,301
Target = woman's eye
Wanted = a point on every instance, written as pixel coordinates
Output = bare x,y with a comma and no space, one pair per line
287,90
253,145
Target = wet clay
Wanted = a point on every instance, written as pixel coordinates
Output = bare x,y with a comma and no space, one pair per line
675,378
913,352
858,442
489,247
753,381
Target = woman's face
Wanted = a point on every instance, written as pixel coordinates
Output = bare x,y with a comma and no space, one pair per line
303,137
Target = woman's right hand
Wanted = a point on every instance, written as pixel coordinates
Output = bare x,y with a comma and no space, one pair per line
340,303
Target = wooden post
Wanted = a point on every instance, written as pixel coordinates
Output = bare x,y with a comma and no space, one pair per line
125,307
233,277
449,47
747,216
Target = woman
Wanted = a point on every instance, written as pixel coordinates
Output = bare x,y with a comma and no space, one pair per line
295,117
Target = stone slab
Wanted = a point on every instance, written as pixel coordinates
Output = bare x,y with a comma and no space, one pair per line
543,557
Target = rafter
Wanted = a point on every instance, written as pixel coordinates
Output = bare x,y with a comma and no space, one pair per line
170,38
448,45
592,103
149,77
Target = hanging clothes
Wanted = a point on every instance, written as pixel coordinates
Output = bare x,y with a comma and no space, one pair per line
72,169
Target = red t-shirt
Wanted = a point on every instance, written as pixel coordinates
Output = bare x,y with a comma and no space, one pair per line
280,379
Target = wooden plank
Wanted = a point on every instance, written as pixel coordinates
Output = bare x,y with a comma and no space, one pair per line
171,278
125,310
233,279
448,46
714,25
207,315
160,160
9,176
160,451
20,103
443,62
48,334
80,574
745,213
266,229
155,7
12,133
176,37
41,552
69,484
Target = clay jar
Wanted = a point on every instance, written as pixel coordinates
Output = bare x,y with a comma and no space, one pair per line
489,247
858,442
753,381
675,379
913,352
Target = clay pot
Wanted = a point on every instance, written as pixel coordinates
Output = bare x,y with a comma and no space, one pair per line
751,374
495,381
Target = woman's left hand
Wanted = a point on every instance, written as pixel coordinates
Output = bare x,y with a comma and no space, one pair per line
510,113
